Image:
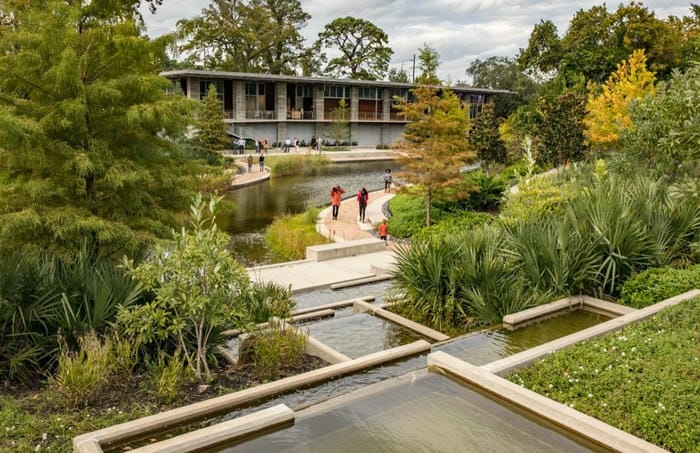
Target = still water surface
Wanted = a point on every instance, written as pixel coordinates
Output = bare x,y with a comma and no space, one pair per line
257,205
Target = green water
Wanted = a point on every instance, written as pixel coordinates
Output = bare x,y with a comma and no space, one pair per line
431,414
487,346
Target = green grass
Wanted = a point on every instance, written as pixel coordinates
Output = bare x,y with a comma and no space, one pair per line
289,235
644,379
295,164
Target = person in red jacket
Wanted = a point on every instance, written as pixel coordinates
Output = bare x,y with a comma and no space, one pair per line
362,200
383,230
336,195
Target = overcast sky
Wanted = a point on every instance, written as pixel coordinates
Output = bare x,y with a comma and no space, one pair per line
460,30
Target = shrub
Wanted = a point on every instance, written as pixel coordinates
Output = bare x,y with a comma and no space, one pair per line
289,235
654,285
454,224
265,300
197,286
408,214
487,193
168,375
82,376
273,349
535,198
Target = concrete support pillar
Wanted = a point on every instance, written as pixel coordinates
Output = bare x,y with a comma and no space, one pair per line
238,100
354,103
386,104
281,131
281,101
318,103
193,89
354,131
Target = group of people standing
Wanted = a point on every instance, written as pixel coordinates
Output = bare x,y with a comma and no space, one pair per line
362,200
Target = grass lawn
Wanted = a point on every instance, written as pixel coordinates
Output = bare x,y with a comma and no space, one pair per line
644,379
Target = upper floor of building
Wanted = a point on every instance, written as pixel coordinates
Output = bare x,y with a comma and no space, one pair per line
248,97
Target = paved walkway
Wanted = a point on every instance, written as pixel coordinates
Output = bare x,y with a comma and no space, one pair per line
306,275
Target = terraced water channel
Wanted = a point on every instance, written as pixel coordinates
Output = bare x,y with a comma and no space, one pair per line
359,334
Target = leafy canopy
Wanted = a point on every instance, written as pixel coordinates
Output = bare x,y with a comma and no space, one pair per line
85,123
364,53
608,111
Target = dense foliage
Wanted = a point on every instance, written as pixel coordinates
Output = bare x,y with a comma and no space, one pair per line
289,235
654,285
642,379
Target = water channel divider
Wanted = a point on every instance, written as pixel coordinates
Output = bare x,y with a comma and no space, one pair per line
262,420
332,305
380,277
560,415
573,303
363,307
91,442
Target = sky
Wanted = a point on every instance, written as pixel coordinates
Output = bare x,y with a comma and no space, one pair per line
460,30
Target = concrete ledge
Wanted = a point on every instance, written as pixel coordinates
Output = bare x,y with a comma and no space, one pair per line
344,249
515,320
321,350
223,432
332,305
318,314
604,307
571,420
362,281
223,403
86,446
362,307
530,355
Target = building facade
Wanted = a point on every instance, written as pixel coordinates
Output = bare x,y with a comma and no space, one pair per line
277,107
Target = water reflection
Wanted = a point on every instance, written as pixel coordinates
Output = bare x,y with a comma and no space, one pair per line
257,205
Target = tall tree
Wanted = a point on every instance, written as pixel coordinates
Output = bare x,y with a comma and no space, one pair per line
541,57
211,128
364,53
608,108
428,63
84,121
398,75
505,74
245,36
560,130
339,128
435,142
485,138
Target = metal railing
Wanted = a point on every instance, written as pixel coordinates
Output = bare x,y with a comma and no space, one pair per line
260,115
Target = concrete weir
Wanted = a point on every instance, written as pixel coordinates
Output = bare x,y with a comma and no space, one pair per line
91,442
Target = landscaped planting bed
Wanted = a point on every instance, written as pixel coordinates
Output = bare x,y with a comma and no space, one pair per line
644,379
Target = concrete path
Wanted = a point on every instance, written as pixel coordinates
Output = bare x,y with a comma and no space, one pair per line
307,275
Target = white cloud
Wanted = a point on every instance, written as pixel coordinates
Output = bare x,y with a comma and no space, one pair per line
460,30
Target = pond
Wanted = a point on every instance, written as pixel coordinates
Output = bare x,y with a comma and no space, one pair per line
257,205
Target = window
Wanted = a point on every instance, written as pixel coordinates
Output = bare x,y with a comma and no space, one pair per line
254,97
304,91
204,88
369,93
336,91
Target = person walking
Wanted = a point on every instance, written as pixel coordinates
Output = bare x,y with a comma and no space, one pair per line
387,180
296,145
383,230
257,146
266,145
249,160
241,145
287,145
362,199
336,195
261,162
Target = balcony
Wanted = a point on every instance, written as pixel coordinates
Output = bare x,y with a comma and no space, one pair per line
260,115
370,116
300,115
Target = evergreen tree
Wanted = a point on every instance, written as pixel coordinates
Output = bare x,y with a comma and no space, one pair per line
84,127
428,62
211,126
436,142
485,138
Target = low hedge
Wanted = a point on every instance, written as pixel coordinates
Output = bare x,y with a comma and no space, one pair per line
656,284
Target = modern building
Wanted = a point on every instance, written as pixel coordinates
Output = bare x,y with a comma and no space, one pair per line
277,107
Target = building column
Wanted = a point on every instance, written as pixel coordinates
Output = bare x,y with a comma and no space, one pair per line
354,103
319,102
281,101
386,104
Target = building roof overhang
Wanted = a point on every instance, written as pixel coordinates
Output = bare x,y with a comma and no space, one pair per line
254,77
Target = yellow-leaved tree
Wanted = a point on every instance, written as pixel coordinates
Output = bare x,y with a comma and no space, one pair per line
607,113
